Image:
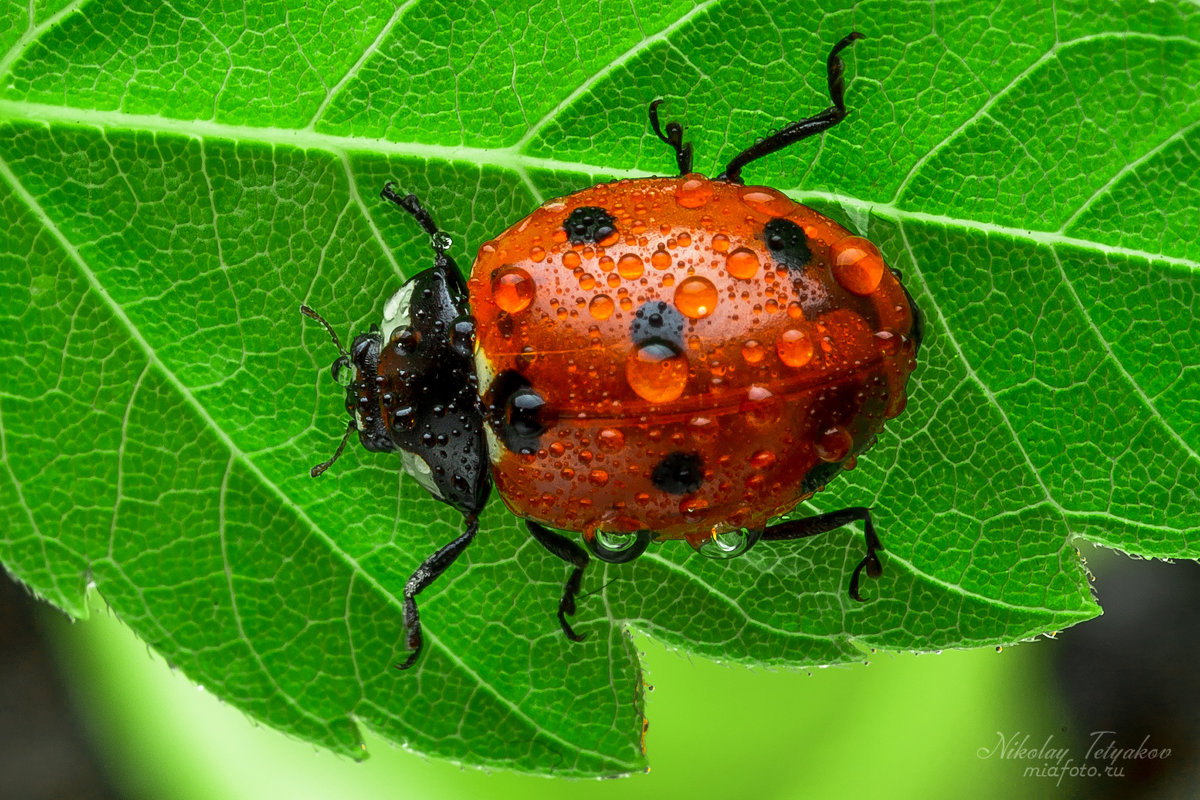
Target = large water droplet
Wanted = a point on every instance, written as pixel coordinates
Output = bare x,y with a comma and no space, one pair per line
726,545
694,192
768,201
795,348
742,263
753,352
601,306
657,371
857,265
696,297
610,440
834,444
512,289
630,266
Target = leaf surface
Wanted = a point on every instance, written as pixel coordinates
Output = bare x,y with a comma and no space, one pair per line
178,179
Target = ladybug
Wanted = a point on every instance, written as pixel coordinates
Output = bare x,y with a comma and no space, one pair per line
649,359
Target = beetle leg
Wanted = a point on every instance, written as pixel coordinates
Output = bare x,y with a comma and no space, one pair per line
574,555
800,129
429,571
673,137
822,523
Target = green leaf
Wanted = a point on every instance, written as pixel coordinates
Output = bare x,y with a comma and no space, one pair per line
178,178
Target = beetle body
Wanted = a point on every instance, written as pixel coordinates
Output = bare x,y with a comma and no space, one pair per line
648,359
710,359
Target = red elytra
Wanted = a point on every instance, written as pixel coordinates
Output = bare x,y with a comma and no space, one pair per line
663,365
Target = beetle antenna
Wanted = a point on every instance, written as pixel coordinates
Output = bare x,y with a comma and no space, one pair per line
308,312
324,465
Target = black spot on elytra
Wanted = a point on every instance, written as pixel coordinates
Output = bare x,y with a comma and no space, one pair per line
588,225
679,473
657,319
516,411
788,243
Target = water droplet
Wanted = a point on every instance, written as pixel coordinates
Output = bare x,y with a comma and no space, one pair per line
762,459
694,192
597,477
587,282
720,243
794,347
537,254
761,406
657,371
570,259
512,289
753,352
661,258
605,263
857,265
696,297
834,444
610,440
727,544
702,427
767,201
630,266
693,506
889,343
601,306
742,263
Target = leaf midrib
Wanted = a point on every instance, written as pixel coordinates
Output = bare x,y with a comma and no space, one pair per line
512,159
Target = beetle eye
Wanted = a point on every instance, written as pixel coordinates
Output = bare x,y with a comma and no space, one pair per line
338,370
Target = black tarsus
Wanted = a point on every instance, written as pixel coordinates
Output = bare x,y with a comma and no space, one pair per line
673,137
823,523
429,571
800,129
574,555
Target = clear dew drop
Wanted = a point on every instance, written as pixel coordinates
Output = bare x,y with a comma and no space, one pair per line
742,263
513,289
857,265
694,192
794,347
656,371
696,297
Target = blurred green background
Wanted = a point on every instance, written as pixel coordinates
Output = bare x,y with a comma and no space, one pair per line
902,726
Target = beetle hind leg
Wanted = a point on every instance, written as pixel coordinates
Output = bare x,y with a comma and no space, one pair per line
804,128
576,557
823,523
